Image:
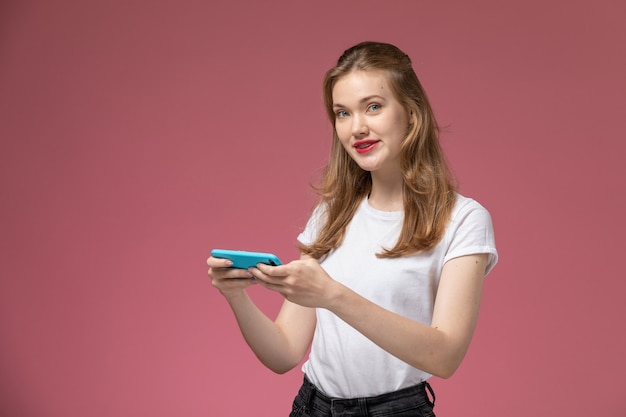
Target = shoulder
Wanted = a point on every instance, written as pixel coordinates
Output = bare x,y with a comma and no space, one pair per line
314,224
466,208
466,203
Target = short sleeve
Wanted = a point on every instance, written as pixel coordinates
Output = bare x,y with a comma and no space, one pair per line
313,226
471,232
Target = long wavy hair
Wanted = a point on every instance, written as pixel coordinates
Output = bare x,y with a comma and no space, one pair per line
429,191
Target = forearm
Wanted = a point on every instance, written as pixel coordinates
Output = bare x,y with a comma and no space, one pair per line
437,348
264,337
418,344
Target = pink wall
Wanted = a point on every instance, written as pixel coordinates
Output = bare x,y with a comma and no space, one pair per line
135,136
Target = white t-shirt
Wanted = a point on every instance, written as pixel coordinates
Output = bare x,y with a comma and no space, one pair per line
344,363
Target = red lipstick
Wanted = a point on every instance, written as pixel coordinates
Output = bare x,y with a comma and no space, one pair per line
365,145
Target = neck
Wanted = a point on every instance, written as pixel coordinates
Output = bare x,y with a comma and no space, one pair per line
386,193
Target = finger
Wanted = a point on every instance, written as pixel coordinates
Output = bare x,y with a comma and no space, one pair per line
219,262
258,274
279,288
229,273
266,280
273,271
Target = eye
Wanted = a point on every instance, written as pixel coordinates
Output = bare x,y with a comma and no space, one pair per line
374,107
341,114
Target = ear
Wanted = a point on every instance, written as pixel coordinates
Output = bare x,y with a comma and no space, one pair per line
413,118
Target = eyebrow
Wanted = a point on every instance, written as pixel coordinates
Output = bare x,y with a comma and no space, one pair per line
363,100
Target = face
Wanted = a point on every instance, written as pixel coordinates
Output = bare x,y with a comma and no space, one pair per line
370,122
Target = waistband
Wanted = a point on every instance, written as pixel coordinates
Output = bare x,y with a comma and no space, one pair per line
414,396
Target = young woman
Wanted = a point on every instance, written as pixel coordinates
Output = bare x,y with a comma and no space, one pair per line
387,290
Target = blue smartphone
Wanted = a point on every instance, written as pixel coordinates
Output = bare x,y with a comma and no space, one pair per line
244,259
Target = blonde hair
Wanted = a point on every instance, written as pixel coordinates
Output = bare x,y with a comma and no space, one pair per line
429,191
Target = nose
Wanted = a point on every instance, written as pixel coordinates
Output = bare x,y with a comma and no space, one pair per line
359,126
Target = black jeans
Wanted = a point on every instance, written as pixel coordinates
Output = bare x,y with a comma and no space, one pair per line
407,402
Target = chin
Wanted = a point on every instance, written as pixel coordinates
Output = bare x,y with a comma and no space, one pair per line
367,168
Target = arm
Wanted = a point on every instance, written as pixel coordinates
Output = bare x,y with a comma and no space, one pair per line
437,349
281,344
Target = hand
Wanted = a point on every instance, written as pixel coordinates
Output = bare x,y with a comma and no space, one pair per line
229,281
302,282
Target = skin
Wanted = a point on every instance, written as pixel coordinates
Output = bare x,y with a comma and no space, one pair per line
366,109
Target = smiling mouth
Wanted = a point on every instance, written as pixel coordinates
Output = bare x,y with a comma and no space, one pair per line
364,145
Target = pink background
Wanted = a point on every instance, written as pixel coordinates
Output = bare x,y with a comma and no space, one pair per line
137,135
